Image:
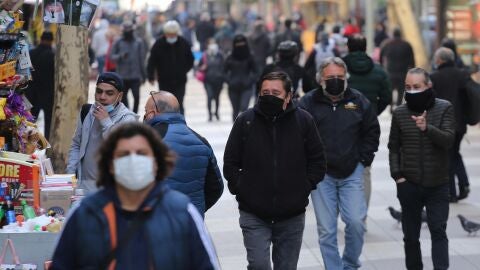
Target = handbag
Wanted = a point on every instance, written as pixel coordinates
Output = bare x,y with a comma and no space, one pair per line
16,260
473,102
200,72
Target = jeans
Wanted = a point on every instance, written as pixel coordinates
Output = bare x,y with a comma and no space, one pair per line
413,198
133,85
457,167
284,236
239,99
101,64
367,182
347,197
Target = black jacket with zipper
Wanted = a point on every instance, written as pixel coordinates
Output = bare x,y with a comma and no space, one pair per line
422,157
349,129
272,164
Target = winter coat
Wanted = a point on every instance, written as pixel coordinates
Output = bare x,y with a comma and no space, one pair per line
214,68
170,62
196,172
272,164
129,58
397,56
422,157
172,236
370,79
349,129
260,47
449,83
240,75
40,90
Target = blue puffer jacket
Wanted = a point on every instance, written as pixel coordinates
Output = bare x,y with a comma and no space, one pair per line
196,172
173,236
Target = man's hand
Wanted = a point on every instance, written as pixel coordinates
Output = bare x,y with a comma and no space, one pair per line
421,121
100,113
400,180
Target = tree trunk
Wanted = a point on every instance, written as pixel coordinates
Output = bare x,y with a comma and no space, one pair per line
71,89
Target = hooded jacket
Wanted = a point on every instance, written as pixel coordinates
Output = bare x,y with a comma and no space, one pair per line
349,129
84,130
272,164
370,79
196,172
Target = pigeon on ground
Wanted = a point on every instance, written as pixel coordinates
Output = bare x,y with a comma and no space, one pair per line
397,215
469,226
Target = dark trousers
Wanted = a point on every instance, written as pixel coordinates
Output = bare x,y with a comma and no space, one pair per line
239,99
285,237
457,167
133,85
213,94
47,111
413,198
178,90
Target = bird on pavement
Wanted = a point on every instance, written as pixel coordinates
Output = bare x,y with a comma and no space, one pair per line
469,226
397,215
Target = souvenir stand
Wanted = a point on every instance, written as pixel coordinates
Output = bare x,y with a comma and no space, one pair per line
31,210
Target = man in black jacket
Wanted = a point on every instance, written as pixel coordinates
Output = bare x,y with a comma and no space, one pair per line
273,159
41,90
171,58
421,134
450,82
349,128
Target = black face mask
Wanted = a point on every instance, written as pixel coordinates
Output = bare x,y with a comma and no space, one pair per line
420,102
270,105
128,35
334,86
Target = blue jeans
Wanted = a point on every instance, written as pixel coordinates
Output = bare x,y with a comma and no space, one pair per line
101,64
284,236
346,196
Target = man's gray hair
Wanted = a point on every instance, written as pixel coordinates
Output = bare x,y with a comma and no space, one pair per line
165,107
444,55
330,61
417,70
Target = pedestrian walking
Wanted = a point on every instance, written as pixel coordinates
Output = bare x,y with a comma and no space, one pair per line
100,44
421,133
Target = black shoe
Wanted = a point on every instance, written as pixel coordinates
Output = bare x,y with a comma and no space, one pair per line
463,193
210,118
217,116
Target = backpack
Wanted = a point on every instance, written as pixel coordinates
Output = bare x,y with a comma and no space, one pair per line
84,111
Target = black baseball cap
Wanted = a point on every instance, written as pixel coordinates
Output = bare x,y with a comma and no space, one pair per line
111,78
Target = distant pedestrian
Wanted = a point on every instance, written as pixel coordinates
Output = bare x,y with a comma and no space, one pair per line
289,33
421,133
170,60
40,91
259,42
205,30
397,57
100,44
213,64
240,74
449,82
129,55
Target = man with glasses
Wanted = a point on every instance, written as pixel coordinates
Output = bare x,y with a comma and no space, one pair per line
349,128
196,172
93,125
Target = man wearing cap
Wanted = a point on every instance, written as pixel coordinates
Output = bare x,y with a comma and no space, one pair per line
93,125
170,60
129,55
41,89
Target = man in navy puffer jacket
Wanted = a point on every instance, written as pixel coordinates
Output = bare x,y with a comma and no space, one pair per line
196,172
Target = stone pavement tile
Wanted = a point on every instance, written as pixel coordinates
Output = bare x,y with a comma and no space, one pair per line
474,261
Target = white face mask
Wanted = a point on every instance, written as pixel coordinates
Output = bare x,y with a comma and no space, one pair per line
134,172
172,40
